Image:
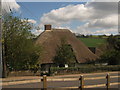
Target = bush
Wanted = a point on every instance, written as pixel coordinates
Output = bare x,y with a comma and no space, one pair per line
111,57
111,53
83,69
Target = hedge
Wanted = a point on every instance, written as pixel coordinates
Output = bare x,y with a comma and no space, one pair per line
83,69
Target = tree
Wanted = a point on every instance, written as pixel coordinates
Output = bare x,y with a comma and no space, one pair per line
64,54
19,50
111,57
112,53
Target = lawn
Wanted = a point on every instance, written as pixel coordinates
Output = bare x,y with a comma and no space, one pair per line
92,42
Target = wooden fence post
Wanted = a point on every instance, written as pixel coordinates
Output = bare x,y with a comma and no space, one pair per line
44,82
81,82
108,81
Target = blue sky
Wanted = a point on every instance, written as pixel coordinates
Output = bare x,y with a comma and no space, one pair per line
39,8
35,10
79,17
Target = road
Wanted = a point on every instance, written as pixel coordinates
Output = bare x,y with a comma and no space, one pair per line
68,81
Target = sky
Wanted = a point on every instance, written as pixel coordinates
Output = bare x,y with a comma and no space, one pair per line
80,17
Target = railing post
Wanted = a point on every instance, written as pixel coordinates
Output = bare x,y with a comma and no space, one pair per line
81,82
44,82
108,81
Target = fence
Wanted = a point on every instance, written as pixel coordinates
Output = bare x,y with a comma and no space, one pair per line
81,79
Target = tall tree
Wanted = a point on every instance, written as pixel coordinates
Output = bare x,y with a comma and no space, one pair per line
20,52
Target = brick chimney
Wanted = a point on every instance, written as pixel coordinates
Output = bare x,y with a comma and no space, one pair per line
47,27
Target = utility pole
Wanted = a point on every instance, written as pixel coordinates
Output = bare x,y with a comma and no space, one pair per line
0,41
118,18
3,73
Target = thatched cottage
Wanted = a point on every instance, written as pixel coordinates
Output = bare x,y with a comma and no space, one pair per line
50,38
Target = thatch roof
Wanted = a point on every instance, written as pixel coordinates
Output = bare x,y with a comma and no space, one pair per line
49,39
98,52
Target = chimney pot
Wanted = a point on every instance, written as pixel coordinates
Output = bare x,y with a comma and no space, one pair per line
48,27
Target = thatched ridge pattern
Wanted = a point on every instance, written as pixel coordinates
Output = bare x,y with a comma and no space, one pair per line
49,39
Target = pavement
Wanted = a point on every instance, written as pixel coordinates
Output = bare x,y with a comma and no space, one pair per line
34,80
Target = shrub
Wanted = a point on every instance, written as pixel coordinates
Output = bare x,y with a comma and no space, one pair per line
84,69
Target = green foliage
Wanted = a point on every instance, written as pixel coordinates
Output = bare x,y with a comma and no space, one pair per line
111,57
20,51
113,42
112,53
64,54
84,69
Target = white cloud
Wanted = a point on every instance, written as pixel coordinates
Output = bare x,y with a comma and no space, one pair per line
63,27
102,16
108,22
9,4
32,21
107,32
92,10
102,9
37,32
86,30
106,25
66,14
